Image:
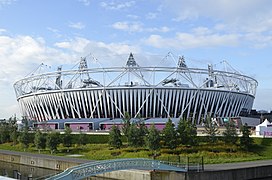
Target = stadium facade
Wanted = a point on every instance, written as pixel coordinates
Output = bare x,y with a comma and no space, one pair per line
146,92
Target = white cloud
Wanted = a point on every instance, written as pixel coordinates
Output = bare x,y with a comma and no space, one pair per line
21,47
53,30
228,22
103,51
6,2
257,40
223,9
78,25
56,32
20,55
138,27
128,26
234,16
76,45
192,40
132,16
201,30
2,31
163,29
116,5
85,2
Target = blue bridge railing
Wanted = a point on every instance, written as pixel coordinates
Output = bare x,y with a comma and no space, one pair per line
99,167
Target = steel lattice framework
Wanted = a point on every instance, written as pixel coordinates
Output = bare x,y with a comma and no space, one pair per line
147,92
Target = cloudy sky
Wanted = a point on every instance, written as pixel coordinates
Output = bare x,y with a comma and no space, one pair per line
204,31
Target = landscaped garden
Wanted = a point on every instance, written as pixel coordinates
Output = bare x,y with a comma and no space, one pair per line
135,141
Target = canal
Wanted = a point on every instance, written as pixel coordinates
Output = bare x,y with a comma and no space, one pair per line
24,172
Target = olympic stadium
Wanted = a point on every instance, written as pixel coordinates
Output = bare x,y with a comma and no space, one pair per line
141,91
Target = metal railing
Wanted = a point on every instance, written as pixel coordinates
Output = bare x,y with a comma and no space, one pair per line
99,167
189,163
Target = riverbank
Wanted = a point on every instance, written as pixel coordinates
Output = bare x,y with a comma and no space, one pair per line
242,170
19,171
40,160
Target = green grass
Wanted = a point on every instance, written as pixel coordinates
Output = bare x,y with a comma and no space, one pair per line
212,153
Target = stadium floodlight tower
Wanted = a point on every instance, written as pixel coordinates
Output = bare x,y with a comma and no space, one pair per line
146,92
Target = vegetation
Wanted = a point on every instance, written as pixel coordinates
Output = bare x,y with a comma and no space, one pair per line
24,138
170,135
156,144
153,139
67,138
187,132
127,123
246,141
115,137
7,131
230,135
82,139
211,129
40,140
136,135
143,132
215,153
14,136
52,141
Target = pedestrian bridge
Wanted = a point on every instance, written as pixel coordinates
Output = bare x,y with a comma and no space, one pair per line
98,167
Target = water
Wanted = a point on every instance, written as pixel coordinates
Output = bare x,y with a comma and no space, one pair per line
24,172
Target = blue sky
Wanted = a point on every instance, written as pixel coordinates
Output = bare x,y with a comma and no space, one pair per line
204,31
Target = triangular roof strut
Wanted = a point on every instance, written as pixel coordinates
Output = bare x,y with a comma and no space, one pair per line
131,61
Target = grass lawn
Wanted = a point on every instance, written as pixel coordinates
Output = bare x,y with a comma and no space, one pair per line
215,153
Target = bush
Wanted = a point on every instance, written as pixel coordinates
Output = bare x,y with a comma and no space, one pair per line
94,138
115,153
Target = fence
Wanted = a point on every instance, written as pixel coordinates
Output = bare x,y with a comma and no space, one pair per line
190,163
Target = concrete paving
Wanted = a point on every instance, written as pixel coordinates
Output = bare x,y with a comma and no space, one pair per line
237,165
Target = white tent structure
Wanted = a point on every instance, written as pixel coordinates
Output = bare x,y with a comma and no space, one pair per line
264,129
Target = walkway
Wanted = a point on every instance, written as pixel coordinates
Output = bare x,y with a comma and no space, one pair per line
99,167
237,165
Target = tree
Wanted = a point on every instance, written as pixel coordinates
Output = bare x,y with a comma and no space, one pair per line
230,135
211,129
82,139
192,131
153,139
4,132
126,124
143,129
170,135
67,138
115,137
52,141
24,139
136,135
8,131
40,140
246,141
14,136
25,123
13,131
187,132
